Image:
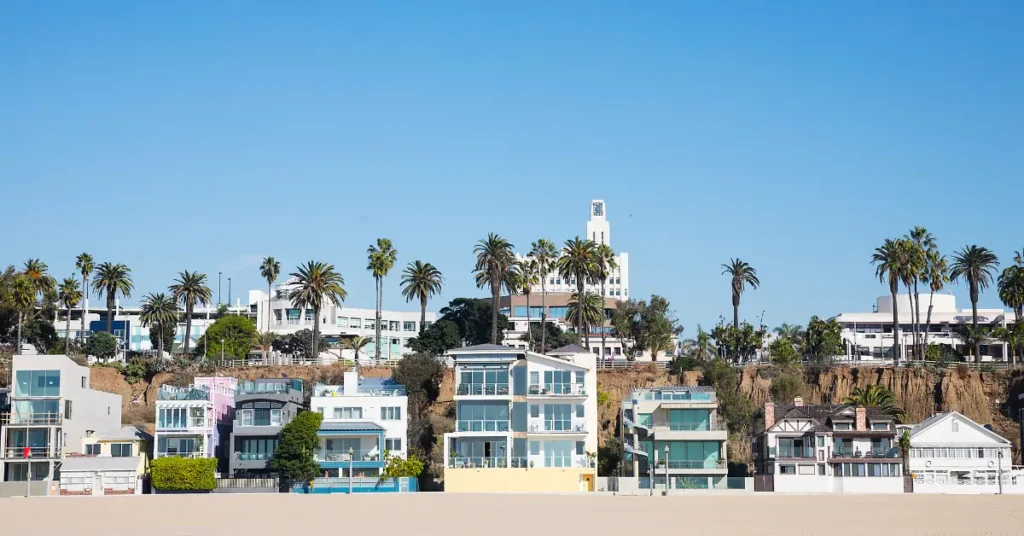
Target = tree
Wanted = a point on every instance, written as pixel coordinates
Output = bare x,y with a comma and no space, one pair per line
266,341
42,335
660,326
701,347
473,318
101,345
738,344
440,337
315,282
787,385
421,375
545,254
380,260
823,341
1013,336
1011,290
38,274
494,268
587,311
976,265
112,279
890,262
555,337
270,269
190,289
295,457
921,244
231,336
162,335
604,265
85,264
421,281
936,275
70,295
577,265
398,467
878,397
528,276
160,312
23,300
973,337
741,275
356,344
733,406
783,353
299,344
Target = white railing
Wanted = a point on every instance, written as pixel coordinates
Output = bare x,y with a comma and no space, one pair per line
31,419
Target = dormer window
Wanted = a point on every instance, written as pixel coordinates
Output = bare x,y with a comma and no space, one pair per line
880,426
842,426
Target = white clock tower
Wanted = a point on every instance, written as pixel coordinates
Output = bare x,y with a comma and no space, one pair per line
598,229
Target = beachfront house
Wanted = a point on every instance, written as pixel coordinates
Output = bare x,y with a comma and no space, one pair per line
262,407
952,454
113,463
525,422
190,421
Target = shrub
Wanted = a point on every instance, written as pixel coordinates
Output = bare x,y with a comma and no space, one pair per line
184,474
101,345
397,467
295,458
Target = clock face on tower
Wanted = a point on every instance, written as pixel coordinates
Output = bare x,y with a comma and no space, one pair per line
598,208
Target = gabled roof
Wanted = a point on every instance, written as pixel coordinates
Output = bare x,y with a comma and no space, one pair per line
128,433
569,349
351,426
820,415
939,417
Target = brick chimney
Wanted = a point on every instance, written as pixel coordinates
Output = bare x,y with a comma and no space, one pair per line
769,415
798,401
861,423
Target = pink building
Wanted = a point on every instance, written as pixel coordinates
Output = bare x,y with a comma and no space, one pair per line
190,421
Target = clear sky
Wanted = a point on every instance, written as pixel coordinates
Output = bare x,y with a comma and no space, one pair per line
795,135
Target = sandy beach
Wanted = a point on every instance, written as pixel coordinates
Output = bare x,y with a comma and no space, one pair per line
453,514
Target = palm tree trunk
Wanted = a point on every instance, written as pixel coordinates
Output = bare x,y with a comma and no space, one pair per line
495,291
269,290
529,332
915,320
110,312
67,334
81,332
423,312
602,319
188,328
580,324
735,310
316,335
160,341
20,321
974,322
543,314
928,322
895,330
377,329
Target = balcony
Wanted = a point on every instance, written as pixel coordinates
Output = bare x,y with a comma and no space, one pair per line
184,424
18,453
343,456
693,464
483,389
174,393
195,454
870,453
792,453
481,462
253,456
558,427
31,419
691,426
260,388
558,389
483,426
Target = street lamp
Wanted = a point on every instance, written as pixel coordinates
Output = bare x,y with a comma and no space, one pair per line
653,470
351,454
666,470
222,349
999,473
218,287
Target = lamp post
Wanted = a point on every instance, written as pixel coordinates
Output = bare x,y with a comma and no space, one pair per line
351,454
218,287
653,470
666,471
222,349
229,292
999,473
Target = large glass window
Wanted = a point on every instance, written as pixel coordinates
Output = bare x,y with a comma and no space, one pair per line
36,411
558,382
176,446
348,413
408,326
519,311
558,453
121,450
255,448
689,419
38,383
391,413
490,381
557,417
483,417
556,312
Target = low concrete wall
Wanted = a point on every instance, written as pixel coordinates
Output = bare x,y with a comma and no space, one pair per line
17,489
509,480
968,489
630,485
831,484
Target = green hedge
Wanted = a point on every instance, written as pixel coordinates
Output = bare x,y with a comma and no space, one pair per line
184,474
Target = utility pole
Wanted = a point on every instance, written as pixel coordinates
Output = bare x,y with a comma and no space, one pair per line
229,292
218,287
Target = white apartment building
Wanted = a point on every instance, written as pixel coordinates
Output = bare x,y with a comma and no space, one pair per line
952,454
337,323
52,408
869,336
364,419
525,422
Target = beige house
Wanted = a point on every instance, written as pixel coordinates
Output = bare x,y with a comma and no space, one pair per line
114,463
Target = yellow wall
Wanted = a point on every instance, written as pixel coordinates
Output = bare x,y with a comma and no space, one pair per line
139,448
514,480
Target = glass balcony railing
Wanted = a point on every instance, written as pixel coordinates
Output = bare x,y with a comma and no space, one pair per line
692,426
498,389
33,452
788,452
483,426
252,388
478,462
694,464
343,456
168,393
31,419
555,389
869,453
195,454
558,427
254,456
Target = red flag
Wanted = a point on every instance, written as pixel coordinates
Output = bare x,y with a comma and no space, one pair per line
25,452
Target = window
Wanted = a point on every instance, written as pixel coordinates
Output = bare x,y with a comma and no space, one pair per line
558,453
535,411
557,417
342,321
37,383
368,323
535,378
393,325
535,448
92,450
879,426
821,441
348,413
255,449
393,444
787,469
408,326
956,426
355,323
121,450
83,382
821,469
579,411
67,409
841,426
391,413
579,448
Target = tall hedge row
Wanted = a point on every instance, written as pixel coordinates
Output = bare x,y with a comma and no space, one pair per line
184,474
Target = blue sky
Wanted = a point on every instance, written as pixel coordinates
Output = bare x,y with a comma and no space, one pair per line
795,135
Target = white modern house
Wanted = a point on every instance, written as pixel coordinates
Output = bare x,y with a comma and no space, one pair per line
338,323
364,419
826,448
869,336
52,408
953,454
524,421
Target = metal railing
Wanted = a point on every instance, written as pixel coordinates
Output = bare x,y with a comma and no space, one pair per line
12,453
871,453
31,419
170,393
691,426
499,389
343,456
477,462
556,389
693,464
483,425
254,456
248,483
627,364
805,453
558,427
195,454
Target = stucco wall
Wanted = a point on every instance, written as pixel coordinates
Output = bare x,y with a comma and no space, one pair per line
515,480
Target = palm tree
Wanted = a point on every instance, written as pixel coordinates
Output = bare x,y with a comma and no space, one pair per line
313,283
23,294
1011,290
112,279
159,310
878,397
545,253
604,265
577,265
743,275
890,261
1012,336
188,290
85,265
920,243
793,332
936,275
973,337
69,295
494,267
357,343
976,265
380,260
589,311
270,269
421,281
266,341
528,276
37,272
